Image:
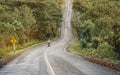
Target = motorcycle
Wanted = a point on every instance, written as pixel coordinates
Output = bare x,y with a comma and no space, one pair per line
48,44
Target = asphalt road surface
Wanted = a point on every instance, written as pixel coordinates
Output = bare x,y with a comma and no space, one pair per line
55,60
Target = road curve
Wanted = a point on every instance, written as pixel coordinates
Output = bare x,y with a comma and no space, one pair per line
55,60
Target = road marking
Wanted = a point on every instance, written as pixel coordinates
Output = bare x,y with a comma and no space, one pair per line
47,61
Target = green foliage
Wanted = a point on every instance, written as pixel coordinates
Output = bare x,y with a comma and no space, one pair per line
28,20
2,54
105,50
97,25
83,43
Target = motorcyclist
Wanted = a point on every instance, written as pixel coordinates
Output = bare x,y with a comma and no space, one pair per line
48,43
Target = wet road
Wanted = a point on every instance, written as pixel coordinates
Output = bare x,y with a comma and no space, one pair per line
55,60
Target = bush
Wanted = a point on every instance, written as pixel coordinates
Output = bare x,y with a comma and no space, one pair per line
105,50
83,43
3,53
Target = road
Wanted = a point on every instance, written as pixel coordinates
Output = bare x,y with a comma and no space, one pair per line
55,60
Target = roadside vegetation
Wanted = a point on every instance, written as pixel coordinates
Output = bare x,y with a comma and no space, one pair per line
29,22
96,26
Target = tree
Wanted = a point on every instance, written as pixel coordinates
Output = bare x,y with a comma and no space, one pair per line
98,22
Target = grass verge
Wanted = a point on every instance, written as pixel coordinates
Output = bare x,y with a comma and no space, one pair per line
93,56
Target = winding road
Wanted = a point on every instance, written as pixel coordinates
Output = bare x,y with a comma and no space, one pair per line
55,60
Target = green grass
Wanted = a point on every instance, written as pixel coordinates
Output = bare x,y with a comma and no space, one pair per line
107,56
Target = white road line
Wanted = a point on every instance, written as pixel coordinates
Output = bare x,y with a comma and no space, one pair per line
48,63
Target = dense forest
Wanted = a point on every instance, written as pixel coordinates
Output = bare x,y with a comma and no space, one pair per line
97,26
28,21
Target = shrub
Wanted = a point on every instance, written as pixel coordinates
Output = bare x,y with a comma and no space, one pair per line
83,43
105,50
